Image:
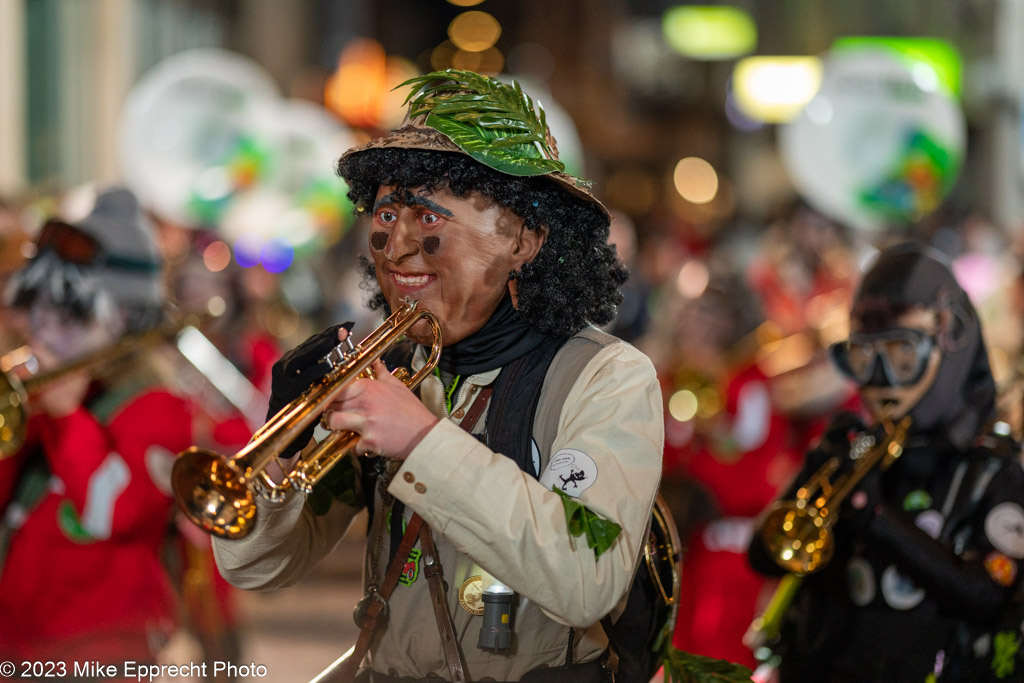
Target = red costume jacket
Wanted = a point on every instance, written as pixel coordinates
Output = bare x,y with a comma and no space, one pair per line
83,577
753,457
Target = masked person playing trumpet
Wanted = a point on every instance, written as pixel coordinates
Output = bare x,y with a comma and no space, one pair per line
532,412
86,501
927,546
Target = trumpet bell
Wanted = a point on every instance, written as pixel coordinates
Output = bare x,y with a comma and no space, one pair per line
798,538
12,415
216,492
212,494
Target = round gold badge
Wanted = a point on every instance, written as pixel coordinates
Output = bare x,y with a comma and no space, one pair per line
471,595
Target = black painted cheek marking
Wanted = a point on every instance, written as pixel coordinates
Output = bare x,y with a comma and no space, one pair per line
378,240
431,244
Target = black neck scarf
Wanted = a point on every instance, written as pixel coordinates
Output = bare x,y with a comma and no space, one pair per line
502,339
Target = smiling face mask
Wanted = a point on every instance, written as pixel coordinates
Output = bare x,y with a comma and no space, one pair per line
452,254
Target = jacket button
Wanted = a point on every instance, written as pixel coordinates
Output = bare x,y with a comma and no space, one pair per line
420,488
409,477
459,413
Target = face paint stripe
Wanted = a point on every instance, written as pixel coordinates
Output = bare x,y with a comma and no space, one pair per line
379,240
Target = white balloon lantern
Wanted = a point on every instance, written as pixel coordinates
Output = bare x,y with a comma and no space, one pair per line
882,142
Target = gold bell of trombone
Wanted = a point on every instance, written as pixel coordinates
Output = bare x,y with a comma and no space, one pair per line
16,394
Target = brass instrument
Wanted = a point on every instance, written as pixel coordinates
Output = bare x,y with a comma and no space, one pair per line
15,393
663,557
798,532
217,493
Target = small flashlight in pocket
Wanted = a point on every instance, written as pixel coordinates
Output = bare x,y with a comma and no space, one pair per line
496,632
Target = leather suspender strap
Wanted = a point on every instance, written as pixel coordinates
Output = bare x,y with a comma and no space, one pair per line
435,573
432,569
376,613
415,528
477,409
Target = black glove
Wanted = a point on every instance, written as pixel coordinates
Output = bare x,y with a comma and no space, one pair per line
296,371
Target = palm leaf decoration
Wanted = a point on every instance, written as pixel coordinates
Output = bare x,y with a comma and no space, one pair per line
684,667
495,123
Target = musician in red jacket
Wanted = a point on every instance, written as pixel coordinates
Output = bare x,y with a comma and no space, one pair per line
86,501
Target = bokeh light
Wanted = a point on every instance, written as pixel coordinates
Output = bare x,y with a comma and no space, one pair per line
247,249
695,180
216,306
682,406
474,31
489,61
693,279
441,56
216,256
276,255
361,90
353,91
709,402
709,32
775,89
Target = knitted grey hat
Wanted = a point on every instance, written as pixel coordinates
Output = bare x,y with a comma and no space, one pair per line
103,265
131,265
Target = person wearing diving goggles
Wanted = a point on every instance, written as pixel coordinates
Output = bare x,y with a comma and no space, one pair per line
927,548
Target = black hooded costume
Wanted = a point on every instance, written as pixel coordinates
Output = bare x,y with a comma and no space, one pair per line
924,577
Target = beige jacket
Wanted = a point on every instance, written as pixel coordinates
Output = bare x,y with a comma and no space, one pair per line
489,517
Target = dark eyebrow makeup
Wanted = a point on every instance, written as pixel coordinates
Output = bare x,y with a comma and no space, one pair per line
409,199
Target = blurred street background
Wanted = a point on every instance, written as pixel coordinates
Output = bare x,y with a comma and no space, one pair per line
755,155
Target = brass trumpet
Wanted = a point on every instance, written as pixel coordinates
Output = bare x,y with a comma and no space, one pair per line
798,532
217,492
15,393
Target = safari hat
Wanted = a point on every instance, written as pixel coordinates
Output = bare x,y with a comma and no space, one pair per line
495,123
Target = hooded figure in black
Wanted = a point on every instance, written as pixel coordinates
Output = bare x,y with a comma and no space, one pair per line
928,548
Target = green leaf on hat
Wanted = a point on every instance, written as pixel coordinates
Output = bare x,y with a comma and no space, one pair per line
495,123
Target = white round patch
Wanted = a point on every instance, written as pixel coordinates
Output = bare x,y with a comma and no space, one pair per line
1004,527
930,522
860,577
571,471
900,591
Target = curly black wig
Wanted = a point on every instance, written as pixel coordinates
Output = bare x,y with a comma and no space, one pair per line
575,279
